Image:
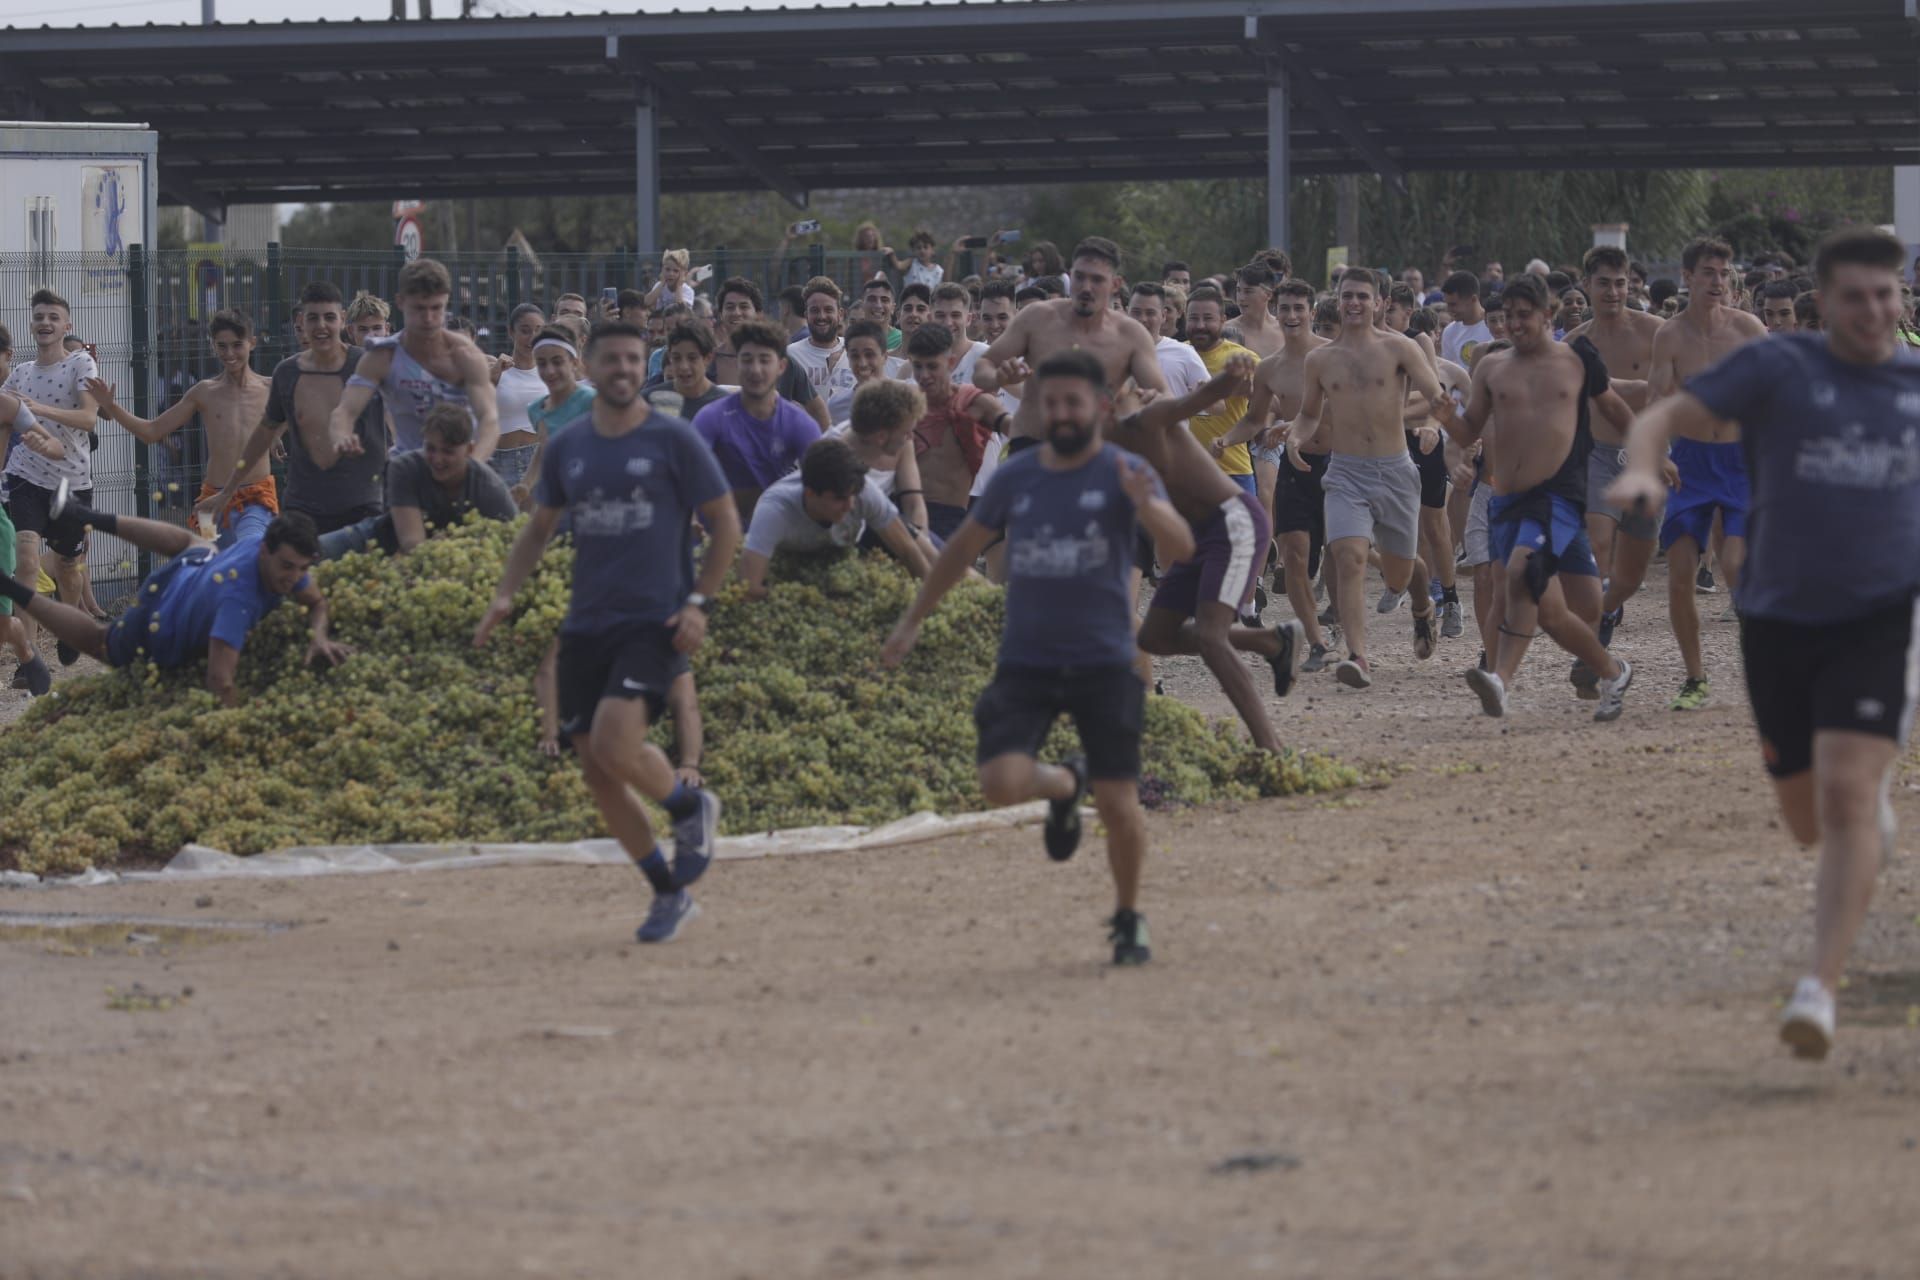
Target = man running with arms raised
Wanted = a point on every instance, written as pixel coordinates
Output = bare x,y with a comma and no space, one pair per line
229,405
1537,467
1830,423
631,480
1372,484
1086,321
1713,475
1069,510
426,365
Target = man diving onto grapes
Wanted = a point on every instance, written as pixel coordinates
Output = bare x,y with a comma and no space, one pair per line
202,601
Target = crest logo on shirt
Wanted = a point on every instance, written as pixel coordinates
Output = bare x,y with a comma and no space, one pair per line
1908,402
1824,395
1022,504
639,466
576,467
1093,500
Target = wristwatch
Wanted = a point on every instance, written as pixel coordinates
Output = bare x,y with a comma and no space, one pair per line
700,602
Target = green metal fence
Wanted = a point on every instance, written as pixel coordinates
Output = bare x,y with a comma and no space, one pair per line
144,318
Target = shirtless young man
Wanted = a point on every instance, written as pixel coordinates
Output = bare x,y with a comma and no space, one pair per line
1537,467
1622,540
1198,603
1293,497
1372,485
331,490
1712,474
950,440
428,364
1253,289
1084,321
228,404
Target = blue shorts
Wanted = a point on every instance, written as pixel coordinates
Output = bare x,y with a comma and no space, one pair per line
1248,484
134,636
1713,477
1540,522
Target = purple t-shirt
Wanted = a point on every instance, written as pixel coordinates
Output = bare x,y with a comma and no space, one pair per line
754,453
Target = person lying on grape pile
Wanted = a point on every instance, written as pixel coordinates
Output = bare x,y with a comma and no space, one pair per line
202,601
824,506
431,488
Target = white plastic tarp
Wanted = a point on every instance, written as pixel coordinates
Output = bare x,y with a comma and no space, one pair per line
197,862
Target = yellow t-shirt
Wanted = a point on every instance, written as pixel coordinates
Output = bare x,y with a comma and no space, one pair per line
1220,419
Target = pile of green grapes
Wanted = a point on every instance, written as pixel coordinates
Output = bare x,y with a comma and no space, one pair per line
419,737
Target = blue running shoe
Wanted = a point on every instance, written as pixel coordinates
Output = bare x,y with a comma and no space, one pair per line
1608,621
664,918
693,838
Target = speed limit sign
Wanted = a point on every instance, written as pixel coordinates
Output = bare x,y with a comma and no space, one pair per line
407,235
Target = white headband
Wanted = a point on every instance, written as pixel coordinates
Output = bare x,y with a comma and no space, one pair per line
557,342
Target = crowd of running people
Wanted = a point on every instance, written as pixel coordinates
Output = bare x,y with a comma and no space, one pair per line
1067,433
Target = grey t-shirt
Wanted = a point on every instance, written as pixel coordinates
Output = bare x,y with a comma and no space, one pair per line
351,485
781,522
410,484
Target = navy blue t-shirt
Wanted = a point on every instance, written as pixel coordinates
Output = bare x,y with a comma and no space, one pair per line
631,501
1833,455
1069,554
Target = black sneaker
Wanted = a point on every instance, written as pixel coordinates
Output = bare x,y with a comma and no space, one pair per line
1293,645
1423,637
1609,621
1062,834
1127,931
1316,659
67,654
34,677
1703,581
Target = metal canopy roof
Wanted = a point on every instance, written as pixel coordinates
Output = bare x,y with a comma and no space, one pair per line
1025,91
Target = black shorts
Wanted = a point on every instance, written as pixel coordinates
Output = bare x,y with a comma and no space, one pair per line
1803,678
1433,472
29,506
636,661
1015,713
1299,504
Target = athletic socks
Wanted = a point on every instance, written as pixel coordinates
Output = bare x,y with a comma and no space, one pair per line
658,873
13,589
681,802
1449,595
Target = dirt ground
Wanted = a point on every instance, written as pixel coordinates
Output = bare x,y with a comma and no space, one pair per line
1510,1015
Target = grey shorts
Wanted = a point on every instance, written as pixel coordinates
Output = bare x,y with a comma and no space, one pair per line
1273,457
1478,550
1374,498
1604,466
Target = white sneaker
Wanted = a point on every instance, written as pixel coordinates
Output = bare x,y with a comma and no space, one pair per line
1807,1024
1493,693
1613,693
1389,601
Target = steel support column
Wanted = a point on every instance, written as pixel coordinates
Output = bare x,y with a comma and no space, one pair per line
1279,158
646,174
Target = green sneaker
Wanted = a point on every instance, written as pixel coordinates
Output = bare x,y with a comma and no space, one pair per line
1693,695
1128,933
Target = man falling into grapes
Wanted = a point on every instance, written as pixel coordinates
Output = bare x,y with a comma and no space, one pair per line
202,602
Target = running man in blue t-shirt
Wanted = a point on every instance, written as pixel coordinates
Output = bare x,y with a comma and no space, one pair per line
203,601
1069,510
630,480
1830,425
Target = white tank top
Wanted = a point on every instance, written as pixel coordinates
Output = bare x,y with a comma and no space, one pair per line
516,391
